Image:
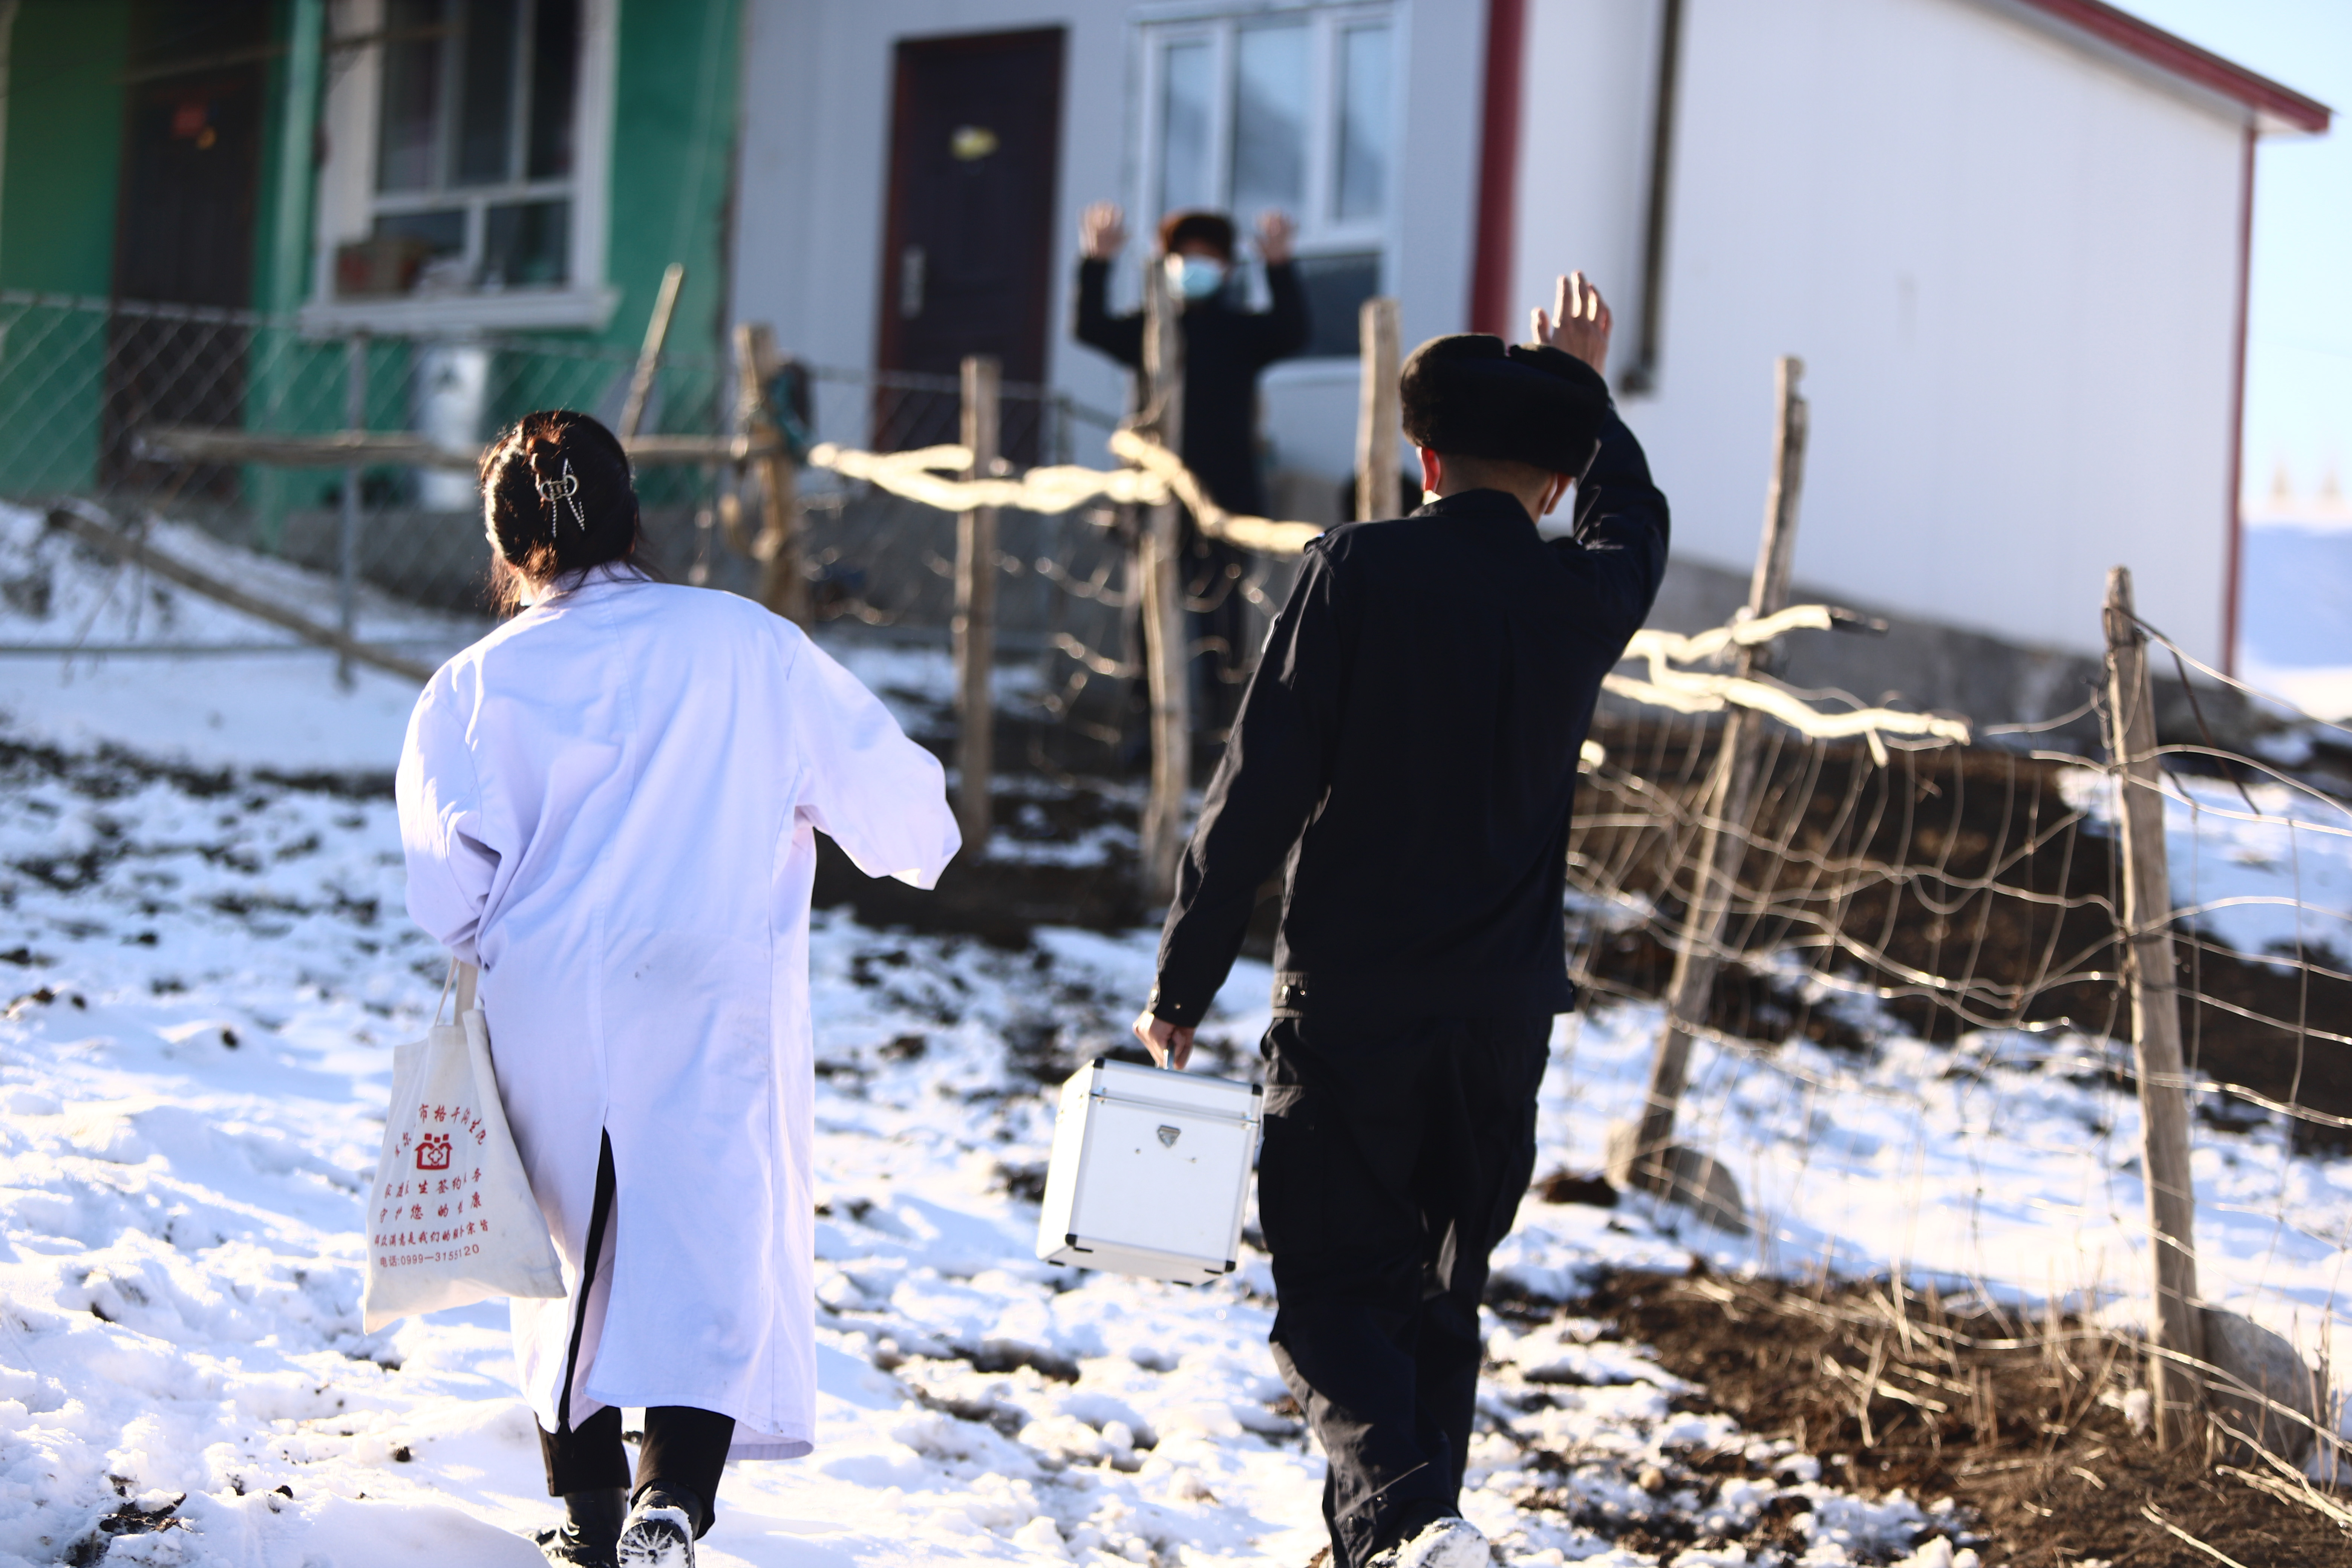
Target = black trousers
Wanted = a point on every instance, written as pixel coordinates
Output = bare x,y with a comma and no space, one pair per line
683,1446
1396,1152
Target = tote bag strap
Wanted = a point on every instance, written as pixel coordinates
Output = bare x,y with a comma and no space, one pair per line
462,976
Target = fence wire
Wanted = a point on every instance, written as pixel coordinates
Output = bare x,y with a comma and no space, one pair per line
83,383
1915,1056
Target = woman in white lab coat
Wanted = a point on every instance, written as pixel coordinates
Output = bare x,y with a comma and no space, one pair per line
608,804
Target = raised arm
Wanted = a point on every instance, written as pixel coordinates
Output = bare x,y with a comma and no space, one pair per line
1273,775
1621,522
1285,328
1101,235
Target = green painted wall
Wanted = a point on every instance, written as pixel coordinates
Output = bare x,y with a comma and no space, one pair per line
674,118
271,292
57,236
64,145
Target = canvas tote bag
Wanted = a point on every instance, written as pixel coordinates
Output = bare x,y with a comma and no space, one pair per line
451,1219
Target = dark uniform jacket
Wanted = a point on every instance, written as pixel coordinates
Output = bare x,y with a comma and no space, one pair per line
1224,349
1410,741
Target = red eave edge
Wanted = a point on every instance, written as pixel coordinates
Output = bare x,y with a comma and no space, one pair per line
2184,59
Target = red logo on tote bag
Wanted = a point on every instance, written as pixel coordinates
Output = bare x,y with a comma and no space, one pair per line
433,1152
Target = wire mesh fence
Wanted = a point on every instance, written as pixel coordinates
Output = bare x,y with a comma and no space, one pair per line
86,385
1915,1058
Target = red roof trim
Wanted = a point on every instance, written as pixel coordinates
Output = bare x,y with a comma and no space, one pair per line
2186,61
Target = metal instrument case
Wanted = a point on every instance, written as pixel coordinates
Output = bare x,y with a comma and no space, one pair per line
1151,1172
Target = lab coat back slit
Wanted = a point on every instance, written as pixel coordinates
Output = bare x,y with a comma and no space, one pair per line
610,804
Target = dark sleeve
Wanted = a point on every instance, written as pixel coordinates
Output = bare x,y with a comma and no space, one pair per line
1121,337
1283,330
1272,778
1619,546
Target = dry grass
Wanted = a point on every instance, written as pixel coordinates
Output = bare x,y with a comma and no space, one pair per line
2022,1421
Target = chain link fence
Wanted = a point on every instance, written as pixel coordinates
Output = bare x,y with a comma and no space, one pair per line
86,385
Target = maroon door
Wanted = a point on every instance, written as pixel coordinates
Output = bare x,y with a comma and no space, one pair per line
968,245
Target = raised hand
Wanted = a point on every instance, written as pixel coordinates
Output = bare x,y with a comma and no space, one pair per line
1102,231
1275,232
1578,323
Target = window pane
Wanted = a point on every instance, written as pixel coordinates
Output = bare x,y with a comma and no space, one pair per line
408,132
527,243
1337,288
439,233
1269,120
1184,96
486,93
555,87
393,259
1364,122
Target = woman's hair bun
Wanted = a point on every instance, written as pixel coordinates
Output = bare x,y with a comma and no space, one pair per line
559,499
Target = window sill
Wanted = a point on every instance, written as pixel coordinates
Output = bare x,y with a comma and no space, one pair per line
509,310
1319,369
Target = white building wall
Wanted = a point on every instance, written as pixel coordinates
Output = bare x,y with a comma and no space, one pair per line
814,169
814,173
1586,110
2010,266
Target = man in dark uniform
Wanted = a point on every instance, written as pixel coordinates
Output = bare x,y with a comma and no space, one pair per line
1409,745
1225,350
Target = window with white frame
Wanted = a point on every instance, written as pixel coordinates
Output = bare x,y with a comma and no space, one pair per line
1289,109
464,175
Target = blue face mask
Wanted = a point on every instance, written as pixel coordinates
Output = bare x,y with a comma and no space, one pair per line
1197,276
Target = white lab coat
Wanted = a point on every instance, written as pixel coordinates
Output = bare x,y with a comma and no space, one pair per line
608,803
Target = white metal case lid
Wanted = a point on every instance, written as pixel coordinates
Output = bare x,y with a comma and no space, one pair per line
1222,1096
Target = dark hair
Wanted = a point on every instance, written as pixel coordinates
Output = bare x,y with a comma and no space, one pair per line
1215,230
1471,395
557,495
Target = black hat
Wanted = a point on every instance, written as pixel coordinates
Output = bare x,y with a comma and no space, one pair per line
1471,395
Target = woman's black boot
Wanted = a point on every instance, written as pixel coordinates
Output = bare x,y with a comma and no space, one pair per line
591,1534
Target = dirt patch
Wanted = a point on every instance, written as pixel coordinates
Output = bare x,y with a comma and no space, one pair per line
1001,899
2026,1424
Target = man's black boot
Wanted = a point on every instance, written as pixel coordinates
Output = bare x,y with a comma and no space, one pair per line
591,1533
660,1529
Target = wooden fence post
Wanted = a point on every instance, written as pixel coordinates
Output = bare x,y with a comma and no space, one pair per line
641,380
975,611
1377,411
2176,1327
1722,841
783,585
347,530
1166,639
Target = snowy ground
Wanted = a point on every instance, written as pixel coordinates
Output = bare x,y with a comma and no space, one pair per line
256,698
2295,618
206,984
193,1073
2265,866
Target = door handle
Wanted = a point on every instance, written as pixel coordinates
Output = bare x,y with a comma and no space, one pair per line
911,282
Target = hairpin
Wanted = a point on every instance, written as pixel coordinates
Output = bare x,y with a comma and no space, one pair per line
567,490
